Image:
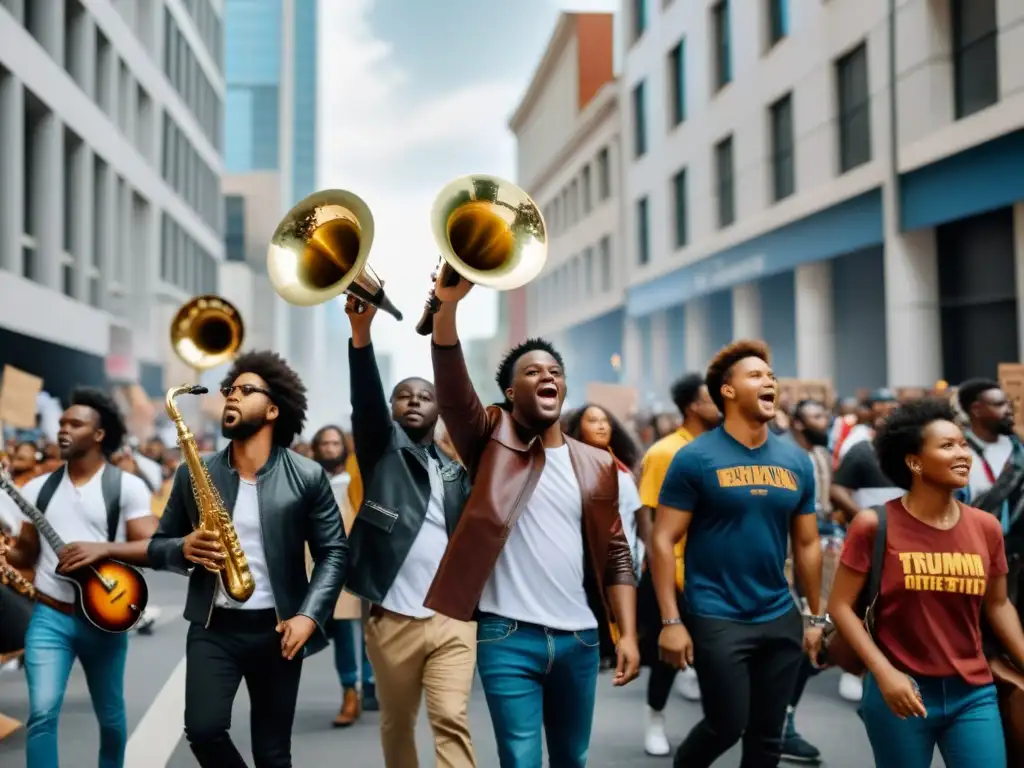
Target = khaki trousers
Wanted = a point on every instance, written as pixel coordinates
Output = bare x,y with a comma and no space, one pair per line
410,657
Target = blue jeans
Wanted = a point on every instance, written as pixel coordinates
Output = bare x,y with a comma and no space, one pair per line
52,643
538,680
344,633
963,721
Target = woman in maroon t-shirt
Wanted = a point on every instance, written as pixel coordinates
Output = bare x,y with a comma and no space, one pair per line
928,684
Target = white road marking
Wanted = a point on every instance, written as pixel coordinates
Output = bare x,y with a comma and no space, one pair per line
157,735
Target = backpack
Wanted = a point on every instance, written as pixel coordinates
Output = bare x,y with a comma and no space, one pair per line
111,482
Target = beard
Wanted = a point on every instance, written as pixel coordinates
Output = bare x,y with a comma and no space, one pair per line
331,465
816,437
242,429
1005,427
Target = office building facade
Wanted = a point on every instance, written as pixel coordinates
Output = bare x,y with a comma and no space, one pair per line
567,128
842,179
110,165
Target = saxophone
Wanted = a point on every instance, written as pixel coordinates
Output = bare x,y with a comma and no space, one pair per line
10,577
235,575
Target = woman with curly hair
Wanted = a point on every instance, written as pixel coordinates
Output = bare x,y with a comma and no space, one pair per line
928,683
597,427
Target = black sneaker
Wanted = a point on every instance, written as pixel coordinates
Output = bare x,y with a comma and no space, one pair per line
795,748
370,703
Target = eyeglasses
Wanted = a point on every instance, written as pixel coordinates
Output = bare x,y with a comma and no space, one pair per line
245,389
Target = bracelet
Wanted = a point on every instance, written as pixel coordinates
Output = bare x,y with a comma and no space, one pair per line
670,622
819,621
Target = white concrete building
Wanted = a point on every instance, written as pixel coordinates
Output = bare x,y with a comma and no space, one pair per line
111,215
567,128
771,190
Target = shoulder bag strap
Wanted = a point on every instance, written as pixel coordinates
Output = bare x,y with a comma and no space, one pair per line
111,482
49,488
878,555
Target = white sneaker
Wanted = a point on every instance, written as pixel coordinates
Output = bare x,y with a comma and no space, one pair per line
851,687
687,685
655,740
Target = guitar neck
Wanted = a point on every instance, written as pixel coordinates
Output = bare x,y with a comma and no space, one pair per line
37,518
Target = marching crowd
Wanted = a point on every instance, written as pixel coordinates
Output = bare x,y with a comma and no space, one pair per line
734,546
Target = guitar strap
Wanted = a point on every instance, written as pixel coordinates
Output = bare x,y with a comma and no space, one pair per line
111,482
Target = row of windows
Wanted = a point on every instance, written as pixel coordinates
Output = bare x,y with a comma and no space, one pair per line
186,75
564,210
581,276
211,30
189,175
183,262
975,57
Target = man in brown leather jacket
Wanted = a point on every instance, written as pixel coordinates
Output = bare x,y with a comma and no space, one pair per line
539,556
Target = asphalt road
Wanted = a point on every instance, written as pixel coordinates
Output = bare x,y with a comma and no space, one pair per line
155,702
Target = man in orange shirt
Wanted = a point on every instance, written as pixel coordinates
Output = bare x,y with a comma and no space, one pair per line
700,414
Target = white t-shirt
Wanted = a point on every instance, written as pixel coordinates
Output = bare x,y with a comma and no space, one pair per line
629,504
996,454
409,589
246,519
78,513
539,575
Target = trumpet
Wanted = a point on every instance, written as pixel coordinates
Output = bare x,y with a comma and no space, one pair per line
489,232
320,249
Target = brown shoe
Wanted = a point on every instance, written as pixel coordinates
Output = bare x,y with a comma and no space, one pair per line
351,708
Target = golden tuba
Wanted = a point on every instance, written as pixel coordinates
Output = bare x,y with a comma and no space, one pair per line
206,332
489,232
319,251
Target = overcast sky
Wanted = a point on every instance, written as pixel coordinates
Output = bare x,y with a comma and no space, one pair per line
412,94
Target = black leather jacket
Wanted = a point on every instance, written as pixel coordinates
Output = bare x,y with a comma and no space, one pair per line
396,484
297,506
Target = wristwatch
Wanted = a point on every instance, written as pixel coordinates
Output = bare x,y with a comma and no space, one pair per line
819,621
670,622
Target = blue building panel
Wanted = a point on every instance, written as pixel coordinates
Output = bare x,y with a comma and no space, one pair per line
778,321
719,320
848,226
977,180
589,349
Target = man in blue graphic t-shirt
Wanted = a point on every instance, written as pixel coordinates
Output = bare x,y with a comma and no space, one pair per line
738,493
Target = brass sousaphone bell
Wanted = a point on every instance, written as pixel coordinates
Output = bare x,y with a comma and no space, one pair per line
206,332
319,251
489,232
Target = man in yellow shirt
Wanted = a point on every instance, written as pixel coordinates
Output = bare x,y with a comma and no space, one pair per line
700,414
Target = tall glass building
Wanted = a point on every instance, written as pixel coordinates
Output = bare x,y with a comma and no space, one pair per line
271,75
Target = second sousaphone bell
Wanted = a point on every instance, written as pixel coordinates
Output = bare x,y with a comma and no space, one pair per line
206,331
319,251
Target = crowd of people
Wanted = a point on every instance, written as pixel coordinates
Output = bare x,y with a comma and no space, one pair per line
735,547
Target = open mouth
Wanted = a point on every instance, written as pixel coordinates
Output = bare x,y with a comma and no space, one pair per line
961,469
767,397
548,392
230,415
63,441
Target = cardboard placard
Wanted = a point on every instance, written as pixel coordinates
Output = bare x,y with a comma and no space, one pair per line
1011,379
795,390
620,400
18,393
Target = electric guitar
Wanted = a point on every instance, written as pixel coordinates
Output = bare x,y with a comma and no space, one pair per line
109,594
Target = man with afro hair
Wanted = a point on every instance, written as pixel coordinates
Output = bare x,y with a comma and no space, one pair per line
279,503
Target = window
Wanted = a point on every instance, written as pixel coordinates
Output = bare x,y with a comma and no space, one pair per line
639,121
643,232
677,80
722,50
679,202
605,247
778,21
783,175
588,270
975,56
604,175
234,227
588,202
854,109
639,18
726,189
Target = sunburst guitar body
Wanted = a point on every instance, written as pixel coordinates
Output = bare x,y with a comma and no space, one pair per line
111,595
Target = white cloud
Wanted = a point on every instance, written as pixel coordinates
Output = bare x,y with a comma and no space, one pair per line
374,123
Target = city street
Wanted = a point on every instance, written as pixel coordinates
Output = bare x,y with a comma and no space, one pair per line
156,695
